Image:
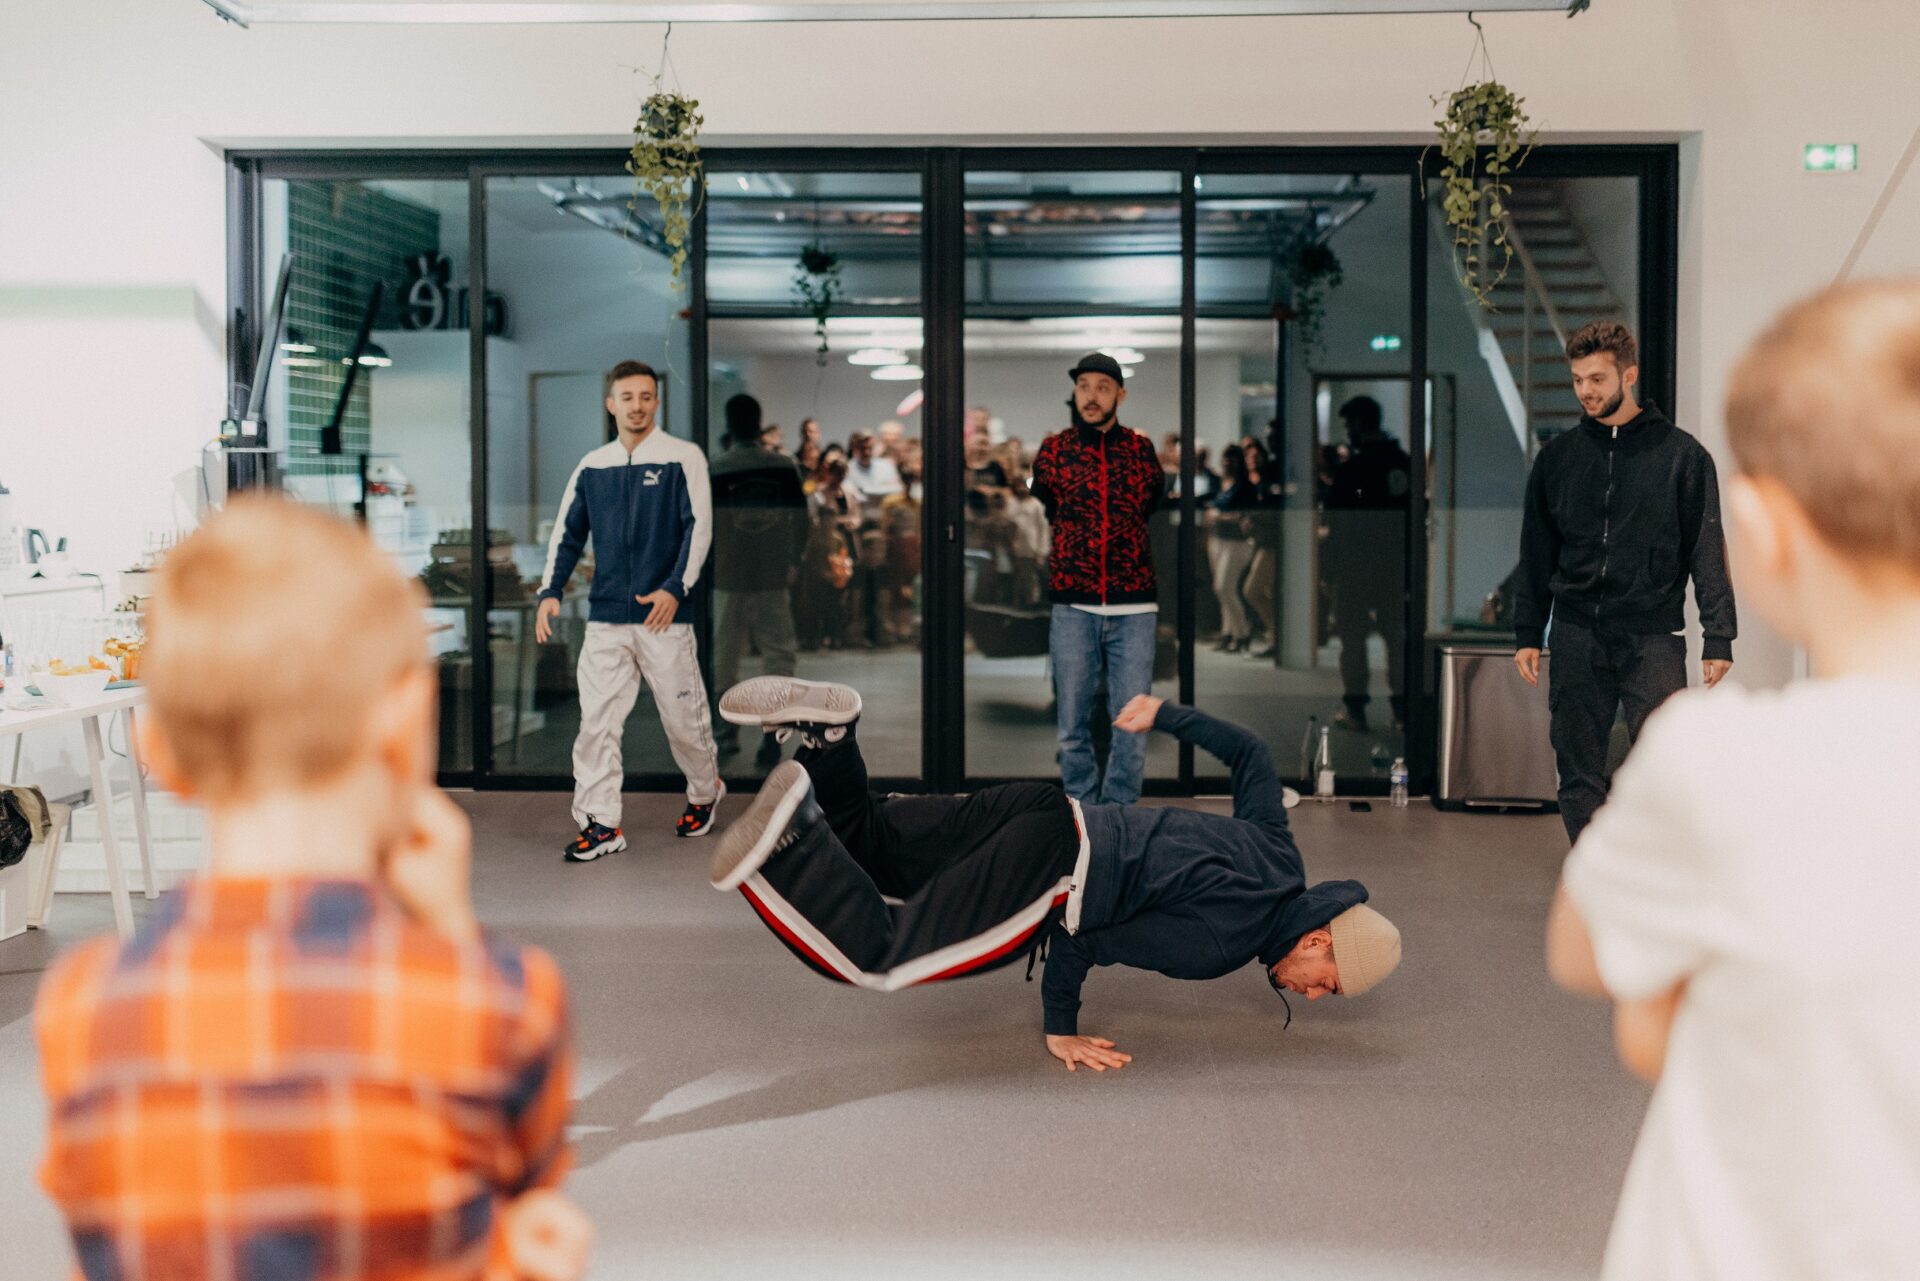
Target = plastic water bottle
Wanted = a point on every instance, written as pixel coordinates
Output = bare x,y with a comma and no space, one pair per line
1397,783
1323,767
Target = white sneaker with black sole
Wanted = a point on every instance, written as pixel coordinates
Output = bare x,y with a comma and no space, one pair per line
783,808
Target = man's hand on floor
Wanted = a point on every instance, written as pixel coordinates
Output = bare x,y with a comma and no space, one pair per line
1137,716
1093,1051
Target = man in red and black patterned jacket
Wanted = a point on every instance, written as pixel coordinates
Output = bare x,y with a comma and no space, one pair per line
1100,483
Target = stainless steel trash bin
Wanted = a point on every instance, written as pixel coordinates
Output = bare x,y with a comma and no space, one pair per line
1495,750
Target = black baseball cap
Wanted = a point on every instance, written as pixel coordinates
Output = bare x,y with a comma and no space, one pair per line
1098,362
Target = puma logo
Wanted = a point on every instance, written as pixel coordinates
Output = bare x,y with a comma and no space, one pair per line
653,476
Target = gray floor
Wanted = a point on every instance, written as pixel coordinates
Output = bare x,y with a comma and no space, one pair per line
738,1116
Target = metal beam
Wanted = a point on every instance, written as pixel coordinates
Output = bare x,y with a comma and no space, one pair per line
247,13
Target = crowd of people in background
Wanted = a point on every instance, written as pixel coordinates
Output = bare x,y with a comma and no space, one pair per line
857,578
857,582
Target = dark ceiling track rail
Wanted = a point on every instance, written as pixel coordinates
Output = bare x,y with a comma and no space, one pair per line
529,13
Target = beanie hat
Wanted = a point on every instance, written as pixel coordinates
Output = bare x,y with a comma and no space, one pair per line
1366,948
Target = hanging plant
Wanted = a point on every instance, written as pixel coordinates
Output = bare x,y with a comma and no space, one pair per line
1314,273
816,287
665,164
1485,136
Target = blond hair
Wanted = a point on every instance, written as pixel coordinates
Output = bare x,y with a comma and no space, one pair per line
1826,402
273,634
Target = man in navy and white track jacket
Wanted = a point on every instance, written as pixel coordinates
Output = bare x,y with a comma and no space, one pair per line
644,500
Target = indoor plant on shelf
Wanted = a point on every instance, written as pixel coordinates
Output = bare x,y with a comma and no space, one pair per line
665,163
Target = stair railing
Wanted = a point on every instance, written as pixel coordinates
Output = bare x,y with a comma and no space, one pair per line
1536,287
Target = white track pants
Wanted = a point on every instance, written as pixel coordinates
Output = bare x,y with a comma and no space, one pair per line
614,661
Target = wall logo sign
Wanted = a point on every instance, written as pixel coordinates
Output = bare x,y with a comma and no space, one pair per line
430,301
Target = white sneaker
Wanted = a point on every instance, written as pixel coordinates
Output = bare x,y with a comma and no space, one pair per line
776,818
788,700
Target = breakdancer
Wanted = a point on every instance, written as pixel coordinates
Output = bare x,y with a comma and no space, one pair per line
885,892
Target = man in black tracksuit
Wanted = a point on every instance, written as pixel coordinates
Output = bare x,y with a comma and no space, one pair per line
978,881
1620,512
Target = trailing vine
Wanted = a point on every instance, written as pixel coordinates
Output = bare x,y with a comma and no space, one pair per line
665,163
816,287
1314,273
1485,136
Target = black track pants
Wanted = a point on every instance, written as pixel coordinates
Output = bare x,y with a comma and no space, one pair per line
1595,674
979,878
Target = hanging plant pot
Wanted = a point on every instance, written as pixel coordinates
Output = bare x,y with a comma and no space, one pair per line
665,164
1485,136
1314,273
816,287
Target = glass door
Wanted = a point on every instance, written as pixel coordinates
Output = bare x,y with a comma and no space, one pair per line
368,403
816,443
1305,464
1059,264
583,285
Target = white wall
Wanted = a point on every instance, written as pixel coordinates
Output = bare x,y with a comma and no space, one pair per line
113,115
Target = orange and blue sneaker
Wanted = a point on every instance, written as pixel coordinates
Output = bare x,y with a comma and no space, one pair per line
697,820
595,840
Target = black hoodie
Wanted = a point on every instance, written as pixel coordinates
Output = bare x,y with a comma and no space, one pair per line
1616,520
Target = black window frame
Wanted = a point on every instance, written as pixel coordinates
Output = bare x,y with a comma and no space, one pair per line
943,169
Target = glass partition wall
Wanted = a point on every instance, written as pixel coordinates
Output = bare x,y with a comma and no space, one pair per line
1303,442
1058,264
1344,431
370,398
818,543
584,275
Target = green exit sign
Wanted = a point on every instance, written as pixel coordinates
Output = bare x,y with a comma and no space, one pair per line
1385,342
1831,157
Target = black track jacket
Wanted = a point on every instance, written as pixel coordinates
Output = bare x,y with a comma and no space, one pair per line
1191,894
1616,520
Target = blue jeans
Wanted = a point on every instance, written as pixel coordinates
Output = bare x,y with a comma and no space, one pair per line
1085,648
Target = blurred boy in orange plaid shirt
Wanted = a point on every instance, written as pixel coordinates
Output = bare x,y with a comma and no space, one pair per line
309,1064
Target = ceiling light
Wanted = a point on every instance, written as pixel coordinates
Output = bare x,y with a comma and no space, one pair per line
877,356
911,404
898,373
1125,355
744,184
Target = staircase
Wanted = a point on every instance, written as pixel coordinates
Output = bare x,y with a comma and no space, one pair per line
1553,288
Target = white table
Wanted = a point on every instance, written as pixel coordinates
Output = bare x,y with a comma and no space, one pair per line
90,713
